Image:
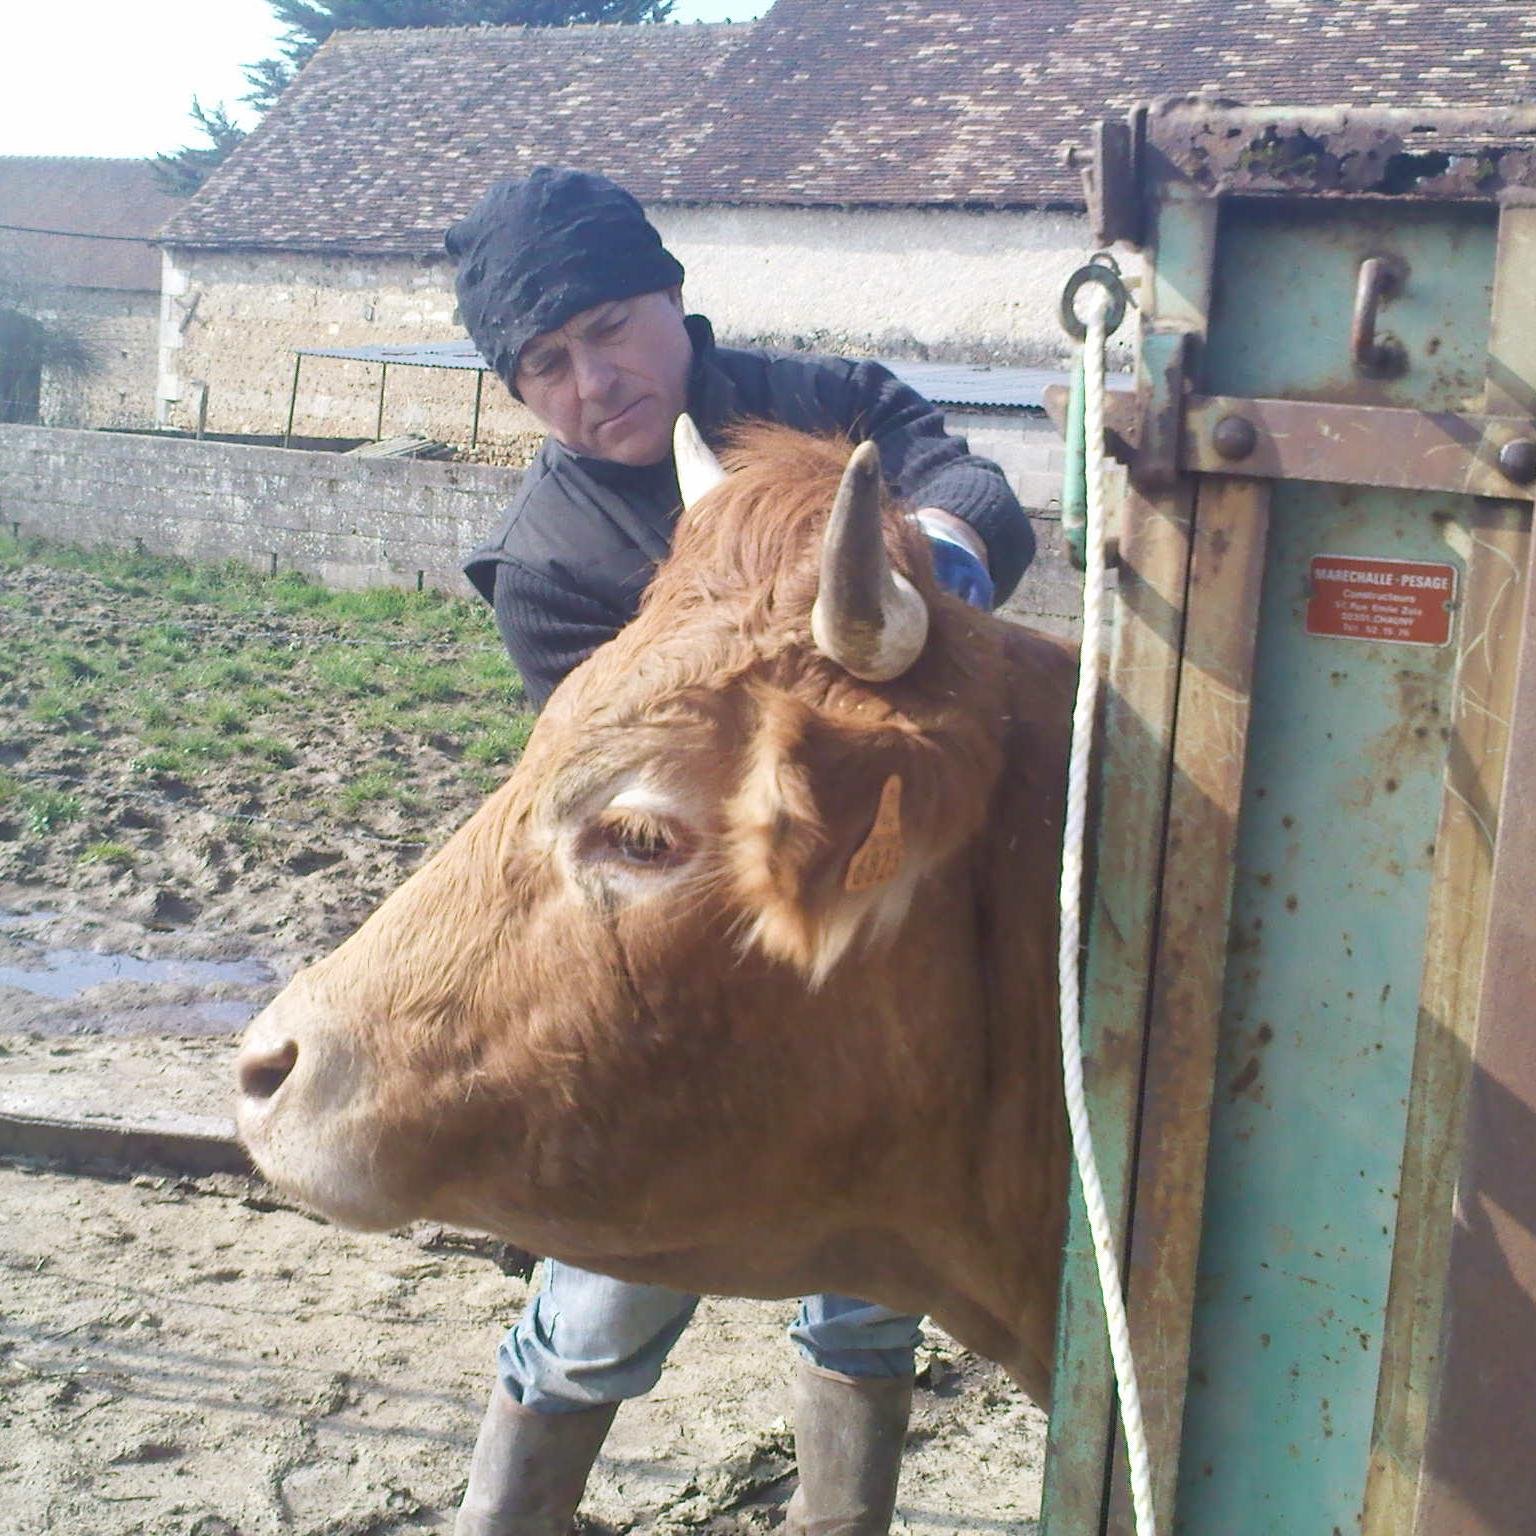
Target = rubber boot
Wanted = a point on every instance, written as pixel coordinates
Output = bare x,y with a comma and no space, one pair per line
849,1433
529,1469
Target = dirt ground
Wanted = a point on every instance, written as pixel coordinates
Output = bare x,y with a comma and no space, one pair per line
181,1357
196,1358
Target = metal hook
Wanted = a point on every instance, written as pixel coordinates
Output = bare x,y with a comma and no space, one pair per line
1103,269
1377,357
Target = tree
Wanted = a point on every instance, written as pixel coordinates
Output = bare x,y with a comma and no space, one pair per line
34,337
184,170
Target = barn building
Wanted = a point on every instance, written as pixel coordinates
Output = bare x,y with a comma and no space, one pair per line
880,179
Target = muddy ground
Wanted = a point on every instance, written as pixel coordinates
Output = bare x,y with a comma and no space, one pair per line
225,851
179,1357
196,1358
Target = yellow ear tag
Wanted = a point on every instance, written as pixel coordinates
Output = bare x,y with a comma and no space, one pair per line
879,858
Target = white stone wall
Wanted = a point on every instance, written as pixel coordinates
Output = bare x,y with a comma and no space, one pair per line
939,283
230,321
917,283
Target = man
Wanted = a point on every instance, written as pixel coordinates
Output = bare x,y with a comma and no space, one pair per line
568,292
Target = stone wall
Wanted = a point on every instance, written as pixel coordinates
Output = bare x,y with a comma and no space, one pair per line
230,321
344,521
120,330
921,284
354,522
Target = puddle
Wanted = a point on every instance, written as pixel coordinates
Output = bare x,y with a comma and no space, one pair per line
68,972
61,974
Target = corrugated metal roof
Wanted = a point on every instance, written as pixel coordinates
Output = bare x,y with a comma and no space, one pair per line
424,354
970,384
983,386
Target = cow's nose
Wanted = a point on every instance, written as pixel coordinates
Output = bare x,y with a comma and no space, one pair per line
262,1067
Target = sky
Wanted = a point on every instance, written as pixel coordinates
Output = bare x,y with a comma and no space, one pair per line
115,77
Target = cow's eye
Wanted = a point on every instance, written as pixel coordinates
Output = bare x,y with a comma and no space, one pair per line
639,845
645,841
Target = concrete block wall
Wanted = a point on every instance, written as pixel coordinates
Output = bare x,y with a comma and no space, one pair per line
344,521
353,522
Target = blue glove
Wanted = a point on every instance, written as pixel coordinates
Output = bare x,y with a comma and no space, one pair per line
957,570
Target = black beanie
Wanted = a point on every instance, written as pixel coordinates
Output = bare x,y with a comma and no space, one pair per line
533,253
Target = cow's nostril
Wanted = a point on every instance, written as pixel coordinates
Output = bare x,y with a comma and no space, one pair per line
263,1070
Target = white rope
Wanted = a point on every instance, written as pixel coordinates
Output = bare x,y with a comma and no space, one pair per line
1071,921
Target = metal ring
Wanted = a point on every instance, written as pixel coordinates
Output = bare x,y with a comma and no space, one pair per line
1104,271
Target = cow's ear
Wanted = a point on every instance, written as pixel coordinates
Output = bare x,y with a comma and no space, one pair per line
836,821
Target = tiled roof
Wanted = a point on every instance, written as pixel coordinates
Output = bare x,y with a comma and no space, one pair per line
388,136
119,199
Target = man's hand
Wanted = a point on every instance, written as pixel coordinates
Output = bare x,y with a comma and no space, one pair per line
959,556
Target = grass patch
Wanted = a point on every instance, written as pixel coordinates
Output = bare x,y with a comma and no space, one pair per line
371,605
151,709
57,706
226,672
46,810
69,667
347,673
376,784
259,699
269,750
205,746
431,684
225,718
501,743
215,674
118,855
486,780
159,763
265,659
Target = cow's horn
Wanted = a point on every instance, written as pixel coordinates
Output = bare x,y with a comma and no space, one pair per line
867,618
698,470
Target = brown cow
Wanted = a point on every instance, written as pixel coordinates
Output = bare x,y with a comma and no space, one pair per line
744,981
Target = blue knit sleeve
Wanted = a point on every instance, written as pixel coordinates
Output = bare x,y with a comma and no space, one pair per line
926,465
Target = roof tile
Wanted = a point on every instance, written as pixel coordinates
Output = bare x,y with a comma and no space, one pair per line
387,137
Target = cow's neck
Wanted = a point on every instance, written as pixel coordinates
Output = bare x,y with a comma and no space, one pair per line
1024,1147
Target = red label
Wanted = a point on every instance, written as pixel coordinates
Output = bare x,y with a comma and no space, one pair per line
1365,598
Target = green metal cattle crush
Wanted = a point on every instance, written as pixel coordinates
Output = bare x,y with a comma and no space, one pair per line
1311,967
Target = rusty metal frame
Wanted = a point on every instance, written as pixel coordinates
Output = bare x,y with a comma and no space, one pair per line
1439,153
1110,182
1169,755
1465,847
1392,447
1398,449
1217,148
1183,1027
1143,678
1476,1478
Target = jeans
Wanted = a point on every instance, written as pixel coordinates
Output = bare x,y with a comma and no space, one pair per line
586,1339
